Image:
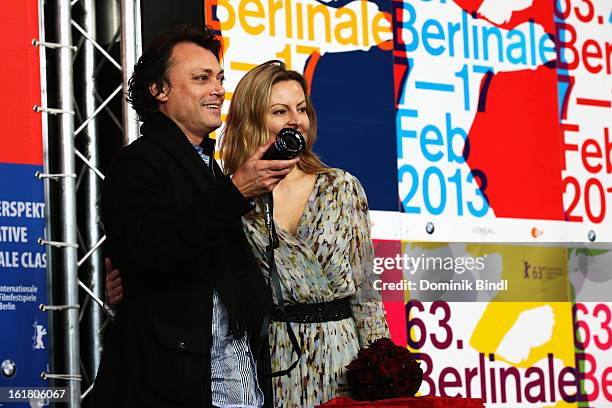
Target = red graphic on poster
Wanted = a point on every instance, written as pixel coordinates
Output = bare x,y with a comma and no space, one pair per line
516,142
21,140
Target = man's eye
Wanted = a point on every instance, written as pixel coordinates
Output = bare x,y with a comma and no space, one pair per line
221,79
202,77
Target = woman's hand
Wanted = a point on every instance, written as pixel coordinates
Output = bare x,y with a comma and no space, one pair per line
113,286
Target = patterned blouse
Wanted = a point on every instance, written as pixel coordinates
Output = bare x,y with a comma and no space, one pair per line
329,257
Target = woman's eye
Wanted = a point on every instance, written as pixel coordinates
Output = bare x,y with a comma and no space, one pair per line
221,79
279,112
302,110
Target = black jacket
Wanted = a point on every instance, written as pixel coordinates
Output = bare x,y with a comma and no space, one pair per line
174,231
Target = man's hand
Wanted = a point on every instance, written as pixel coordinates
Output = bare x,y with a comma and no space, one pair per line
114,288
256,177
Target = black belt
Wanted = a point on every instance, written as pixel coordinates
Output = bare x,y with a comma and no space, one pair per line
335,310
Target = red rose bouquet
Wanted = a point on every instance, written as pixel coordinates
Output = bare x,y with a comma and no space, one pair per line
383,370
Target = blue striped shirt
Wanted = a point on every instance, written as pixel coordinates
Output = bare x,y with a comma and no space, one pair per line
233,370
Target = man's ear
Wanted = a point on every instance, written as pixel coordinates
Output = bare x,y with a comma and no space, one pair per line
161,96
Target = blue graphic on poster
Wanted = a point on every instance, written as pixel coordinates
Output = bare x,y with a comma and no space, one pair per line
23,287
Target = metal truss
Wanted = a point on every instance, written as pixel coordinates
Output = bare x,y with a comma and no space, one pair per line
82,261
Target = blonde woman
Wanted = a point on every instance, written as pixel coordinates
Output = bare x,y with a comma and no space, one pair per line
325,256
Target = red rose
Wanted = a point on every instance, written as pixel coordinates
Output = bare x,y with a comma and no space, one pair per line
362,375
383,343
356,365
408,380
365,394
383,370
388,367
402,387
367,354
401,353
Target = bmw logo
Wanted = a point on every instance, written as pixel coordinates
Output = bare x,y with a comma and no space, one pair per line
8,368
592,236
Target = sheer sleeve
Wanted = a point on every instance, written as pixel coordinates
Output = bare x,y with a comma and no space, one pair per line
366,303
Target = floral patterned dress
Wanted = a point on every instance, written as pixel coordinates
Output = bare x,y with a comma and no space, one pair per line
329,257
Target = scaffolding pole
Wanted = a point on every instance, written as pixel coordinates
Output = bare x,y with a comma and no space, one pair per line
131,48
47,157
93,265
68,222
64,209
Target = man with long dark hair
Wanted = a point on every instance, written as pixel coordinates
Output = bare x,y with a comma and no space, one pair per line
173,225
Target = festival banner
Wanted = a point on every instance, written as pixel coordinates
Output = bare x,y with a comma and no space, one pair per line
343,48
465,120
469,123
503,117
514,324
23,279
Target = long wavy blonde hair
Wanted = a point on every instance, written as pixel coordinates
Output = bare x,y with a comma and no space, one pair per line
245,126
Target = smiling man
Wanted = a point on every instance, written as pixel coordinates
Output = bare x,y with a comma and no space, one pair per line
173,225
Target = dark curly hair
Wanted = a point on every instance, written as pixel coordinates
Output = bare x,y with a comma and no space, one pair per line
152,66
